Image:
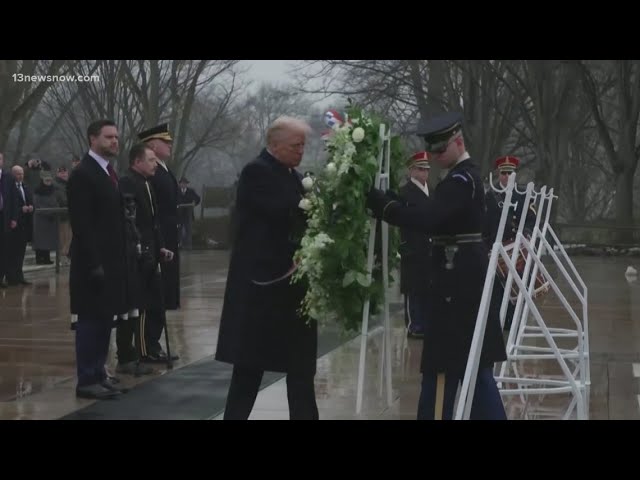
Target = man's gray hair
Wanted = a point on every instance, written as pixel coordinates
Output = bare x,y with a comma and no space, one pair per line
286,124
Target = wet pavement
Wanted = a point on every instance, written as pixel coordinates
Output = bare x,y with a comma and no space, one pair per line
37,362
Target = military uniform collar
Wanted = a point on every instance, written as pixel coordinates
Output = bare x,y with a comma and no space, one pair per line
163,165
424,188
463,157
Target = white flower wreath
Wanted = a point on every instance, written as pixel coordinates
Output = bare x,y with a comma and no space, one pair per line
332,257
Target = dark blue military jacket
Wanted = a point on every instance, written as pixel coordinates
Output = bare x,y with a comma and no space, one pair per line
455,216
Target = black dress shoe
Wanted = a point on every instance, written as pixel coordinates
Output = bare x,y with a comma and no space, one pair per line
152,359
110,385
96,392
163,355
25,282
158,358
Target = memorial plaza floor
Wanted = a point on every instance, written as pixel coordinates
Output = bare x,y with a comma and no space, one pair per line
37,357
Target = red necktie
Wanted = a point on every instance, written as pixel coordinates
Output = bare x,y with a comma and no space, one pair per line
112,174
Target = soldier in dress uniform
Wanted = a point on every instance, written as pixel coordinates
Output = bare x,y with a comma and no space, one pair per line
505,166
145,239
495,200
415,249
165,187
454,216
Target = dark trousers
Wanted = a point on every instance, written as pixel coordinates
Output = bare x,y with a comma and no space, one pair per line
93,335
185,233
128,340
43,257
487,403
17,248
3,248
245,384
415,312
151,328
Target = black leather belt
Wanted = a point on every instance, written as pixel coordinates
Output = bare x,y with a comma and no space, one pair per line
457,239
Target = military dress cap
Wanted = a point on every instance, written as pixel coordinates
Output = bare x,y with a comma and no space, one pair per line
160,131
419,160
437,130
508,163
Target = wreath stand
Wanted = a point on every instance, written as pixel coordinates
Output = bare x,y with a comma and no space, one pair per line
382,182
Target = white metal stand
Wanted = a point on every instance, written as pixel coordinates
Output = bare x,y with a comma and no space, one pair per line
574,381
381,182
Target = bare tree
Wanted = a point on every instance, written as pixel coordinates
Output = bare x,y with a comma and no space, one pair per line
406,90
587,194
20,94
72,106
256,114
193,96
549,112
612,90
384,86
490,108
178,91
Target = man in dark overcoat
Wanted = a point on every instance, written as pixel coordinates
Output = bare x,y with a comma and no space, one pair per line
23,233
8,217
98,272
260,328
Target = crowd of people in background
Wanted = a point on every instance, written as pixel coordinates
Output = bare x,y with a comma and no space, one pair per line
33,196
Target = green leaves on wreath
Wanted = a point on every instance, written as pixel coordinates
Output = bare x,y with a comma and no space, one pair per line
353,276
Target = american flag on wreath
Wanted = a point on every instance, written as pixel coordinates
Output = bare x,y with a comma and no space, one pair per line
333,118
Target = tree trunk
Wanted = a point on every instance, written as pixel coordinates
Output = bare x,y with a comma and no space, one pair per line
435,97
624,196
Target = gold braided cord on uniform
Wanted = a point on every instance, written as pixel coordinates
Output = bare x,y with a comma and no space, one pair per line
384,210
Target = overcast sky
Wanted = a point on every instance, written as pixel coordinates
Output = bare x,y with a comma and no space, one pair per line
276,71
269,70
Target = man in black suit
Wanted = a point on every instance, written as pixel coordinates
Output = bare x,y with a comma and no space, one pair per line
8,217
98,280
144,228
186,196
415,250
22,234
165,187
260,328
